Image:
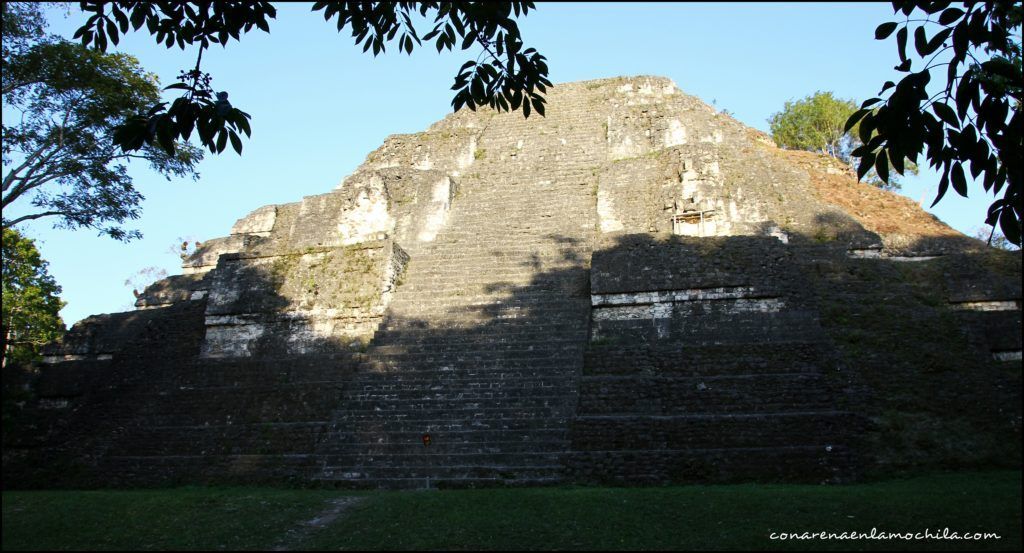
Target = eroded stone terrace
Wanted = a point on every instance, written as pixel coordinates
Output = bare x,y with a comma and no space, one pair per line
632,289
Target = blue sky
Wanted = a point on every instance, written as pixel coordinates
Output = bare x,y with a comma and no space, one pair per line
319,106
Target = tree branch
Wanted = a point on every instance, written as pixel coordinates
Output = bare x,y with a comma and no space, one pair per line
12,174
7,89
32,217
27,181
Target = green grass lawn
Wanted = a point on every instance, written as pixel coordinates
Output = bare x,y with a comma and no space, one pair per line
682,517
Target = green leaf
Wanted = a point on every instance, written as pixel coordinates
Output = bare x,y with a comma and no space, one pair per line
165,135
101,39
901,43
242,119
936,41
882,166
920,41
236,142
943,186
963,95
517,98
867,125
959,180
459,100
538,105
897,164
112,31
1010,225
476,88
946,113
865,165
138,16
883,31
222,140
122,19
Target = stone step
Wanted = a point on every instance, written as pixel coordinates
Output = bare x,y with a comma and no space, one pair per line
268,371
813,463
470,329
429,380
516,354
280,375
467,249
387,404
523,363
254,441
522,356
474,315
443,472
458,296
453,394
550,460
502,259
566,323
416,426
472,318
540,416
698,359
461,301
467,375
483,336
470,345
490,372
438,483
661,395
199,413
530,276
498,265
478,430
438,447
703,430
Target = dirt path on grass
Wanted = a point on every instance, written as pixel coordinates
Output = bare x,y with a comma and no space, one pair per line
335,509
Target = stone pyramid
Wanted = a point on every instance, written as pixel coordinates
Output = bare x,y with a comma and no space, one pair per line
633,289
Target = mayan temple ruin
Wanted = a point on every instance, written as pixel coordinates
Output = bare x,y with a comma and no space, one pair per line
633,289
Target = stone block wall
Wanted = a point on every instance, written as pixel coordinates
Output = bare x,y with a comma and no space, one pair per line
538,298
321,299
937,393
707,362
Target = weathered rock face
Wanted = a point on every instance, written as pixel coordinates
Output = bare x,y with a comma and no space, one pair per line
633,289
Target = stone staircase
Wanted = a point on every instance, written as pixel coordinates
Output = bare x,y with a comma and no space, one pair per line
483,341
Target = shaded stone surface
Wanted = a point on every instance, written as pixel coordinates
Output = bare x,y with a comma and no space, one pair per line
633,289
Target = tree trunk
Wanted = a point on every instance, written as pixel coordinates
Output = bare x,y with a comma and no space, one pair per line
8,334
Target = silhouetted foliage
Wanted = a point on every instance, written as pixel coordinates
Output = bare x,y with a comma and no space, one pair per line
514,77
58,147
973,122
